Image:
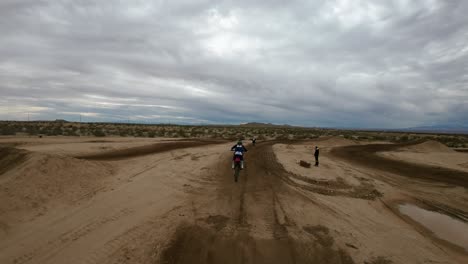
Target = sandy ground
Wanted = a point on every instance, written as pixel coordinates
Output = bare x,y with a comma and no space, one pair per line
126,200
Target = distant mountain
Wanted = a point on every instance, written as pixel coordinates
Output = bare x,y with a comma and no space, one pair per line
256,124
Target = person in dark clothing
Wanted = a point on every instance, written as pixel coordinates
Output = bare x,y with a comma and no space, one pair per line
316,154
253,141
239,150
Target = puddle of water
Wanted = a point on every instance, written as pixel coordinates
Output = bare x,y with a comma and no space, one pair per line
443,226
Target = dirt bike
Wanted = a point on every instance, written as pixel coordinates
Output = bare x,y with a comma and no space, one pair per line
238,163
237,167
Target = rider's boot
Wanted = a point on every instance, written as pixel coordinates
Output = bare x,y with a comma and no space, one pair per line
232,165
242,165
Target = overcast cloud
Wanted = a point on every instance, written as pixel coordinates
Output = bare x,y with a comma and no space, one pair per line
316,63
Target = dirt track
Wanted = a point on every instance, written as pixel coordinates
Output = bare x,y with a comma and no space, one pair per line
251,226
179,204
148,149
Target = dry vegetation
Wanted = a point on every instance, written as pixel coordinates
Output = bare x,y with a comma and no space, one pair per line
260,131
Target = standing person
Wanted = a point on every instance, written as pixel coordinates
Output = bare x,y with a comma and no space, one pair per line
253,141
316,154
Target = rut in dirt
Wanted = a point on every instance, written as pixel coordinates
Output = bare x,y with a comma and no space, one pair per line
259,232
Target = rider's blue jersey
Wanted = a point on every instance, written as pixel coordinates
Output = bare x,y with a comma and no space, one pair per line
239,150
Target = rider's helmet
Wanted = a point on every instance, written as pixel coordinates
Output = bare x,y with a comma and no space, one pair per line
239,142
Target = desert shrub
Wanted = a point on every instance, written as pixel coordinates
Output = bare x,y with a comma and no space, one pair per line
70,133
403,138
7,131
98,133
178,133
139,133
54,131
196,134
281,137
301,136
58,130
311,135
451,144
379,137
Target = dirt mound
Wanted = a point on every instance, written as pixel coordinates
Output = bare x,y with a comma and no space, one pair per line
146,150
365,155
429,146
196,244
27,189
11,157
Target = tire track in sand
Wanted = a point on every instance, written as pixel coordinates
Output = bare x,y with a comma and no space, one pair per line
252,229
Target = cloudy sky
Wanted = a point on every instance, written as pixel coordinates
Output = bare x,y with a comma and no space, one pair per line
316,63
